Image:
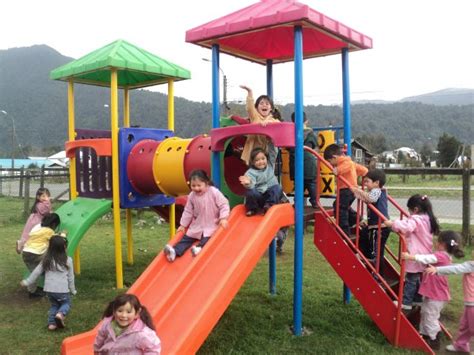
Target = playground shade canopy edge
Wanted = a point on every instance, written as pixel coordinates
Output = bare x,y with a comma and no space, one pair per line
136,67
264,31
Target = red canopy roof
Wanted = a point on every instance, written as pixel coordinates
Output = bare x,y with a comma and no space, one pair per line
265,31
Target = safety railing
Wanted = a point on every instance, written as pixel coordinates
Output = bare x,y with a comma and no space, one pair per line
375,269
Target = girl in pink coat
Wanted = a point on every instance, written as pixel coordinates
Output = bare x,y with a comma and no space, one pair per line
435,288
206,210
466,324
41,208
127,328
418,229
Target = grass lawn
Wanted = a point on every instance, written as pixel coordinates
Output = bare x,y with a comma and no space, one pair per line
255,322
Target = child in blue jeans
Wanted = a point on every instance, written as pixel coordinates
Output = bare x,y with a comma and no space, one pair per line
58,280
263,190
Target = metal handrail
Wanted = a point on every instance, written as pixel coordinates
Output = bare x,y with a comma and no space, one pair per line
402,241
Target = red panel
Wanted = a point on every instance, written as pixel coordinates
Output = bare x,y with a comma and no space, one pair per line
198,155
140,167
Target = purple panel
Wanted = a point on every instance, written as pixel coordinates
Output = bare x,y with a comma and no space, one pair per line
93,173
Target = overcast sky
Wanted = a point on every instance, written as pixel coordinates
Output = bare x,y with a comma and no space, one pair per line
420,46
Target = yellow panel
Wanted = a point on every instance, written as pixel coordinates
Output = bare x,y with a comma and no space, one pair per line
168,166
327,181
287,184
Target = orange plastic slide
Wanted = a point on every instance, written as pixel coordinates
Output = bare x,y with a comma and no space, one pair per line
186,298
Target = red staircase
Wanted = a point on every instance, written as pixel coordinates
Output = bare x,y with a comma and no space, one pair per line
375,293
371,294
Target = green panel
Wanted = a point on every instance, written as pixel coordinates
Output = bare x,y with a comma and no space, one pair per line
78,215
233,198
136,67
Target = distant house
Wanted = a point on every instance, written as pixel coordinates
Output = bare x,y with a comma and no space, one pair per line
361,154
407,153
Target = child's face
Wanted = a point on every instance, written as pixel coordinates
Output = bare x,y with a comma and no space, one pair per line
264,107
371,184
44,197
198,186
125,315
333,161
260,161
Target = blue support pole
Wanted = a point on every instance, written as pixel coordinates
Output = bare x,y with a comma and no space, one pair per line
346,109
272,248
298,271
215,163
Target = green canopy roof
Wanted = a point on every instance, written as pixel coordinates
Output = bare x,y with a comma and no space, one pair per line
136,67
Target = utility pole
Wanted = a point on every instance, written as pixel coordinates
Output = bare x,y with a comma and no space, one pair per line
226,105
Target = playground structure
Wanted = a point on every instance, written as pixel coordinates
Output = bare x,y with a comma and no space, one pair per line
140,167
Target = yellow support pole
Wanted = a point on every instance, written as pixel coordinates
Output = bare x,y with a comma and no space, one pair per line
128,212
115,176
171,128
72,162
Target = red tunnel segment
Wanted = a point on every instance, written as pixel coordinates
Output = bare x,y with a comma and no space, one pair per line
198,155
140,167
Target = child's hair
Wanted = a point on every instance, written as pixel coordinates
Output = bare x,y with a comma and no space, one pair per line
56,254
51,220
332,151
39,192
377,175
255,152
276,114
293,117
264,97
452,240
201,175
424,206
125,298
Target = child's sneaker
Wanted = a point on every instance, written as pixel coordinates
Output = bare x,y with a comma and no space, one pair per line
451,348
59,319
52,327
170,253
195,250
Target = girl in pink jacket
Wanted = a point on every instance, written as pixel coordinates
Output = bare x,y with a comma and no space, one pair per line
127,328
41,208
435,288
418,229
466,324
206,210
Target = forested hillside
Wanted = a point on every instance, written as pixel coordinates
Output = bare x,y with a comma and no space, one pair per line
38,106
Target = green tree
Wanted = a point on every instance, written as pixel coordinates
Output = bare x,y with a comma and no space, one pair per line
426,153
448,147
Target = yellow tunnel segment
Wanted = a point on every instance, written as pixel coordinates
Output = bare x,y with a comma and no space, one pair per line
168,166
326,182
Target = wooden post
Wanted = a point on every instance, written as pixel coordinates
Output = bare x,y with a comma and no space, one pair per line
42,176
22,178
26,206
466,201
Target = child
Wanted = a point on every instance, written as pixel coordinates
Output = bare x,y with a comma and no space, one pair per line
418,228
466,324
127,328
263,190
206,210
309,164
58,280
435,288
346,168
374,181
41,207
259,112
36,246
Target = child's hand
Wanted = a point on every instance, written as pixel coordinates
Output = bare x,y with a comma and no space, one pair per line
18,247
363,224
388,223
244,180
224,223
74,292
430,270
181,229
249,90
334,171
23,283
63,233
405,255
